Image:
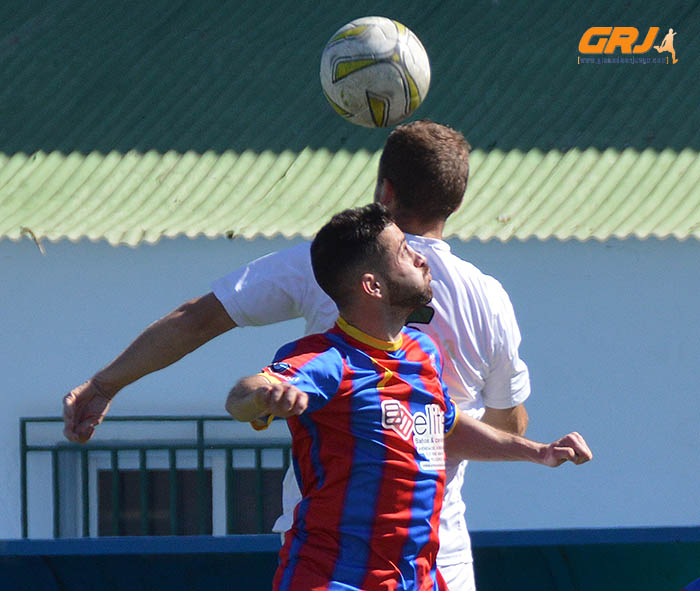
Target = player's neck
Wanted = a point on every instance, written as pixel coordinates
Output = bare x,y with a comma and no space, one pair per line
420,228
382,323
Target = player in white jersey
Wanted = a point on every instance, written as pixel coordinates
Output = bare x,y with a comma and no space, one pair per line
422,178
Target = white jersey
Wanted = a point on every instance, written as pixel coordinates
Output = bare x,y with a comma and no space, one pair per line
474,326
276,287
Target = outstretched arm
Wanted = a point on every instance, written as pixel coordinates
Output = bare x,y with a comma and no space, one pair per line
164,342
473,440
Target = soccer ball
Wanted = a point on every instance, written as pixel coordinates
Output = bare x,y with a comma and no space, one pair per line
375,72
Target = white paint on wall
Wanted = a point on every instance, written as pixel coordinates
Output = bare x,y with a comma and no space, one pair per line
611,332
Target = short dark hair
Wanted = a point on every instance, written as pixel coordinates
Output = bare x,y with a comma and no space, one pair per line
347,246
428,165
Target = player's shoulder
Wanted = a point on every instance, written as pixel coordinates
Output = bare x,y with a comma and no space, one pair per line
425,341
301,250
313,344
445,262
296,256
472,276
309,362
461,283
470,271
291,263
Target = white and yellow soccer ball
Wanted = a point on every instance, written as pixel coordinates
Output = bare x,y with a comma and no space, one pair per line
375,72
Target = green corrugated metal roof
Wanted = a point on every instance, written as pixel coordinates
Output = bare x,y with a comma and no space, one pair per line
131,121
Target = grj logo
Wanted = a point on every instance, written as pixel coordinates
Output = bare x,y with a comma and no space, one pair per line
611,40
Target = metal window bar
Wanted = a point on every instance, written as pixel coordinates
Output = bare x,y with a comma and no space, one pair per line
200,445
85,492
172,475
143,492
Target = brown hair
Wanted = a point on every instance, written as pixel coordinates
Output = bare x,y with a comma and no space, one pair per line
428,165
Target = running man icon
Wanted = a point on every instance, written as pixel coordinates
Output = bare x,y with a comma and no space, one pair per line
667,45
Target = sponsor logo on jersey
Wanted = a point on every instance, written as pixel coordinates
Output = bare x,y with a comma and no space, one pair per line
427,428
397,417
280,367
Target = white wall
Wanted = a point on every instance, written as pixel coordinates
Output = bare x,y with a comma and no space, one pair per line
611,335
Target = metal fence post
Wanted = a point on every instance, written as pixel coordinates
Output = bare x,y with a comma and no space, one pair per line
23,476
85,491
56,495
200,476
230,521
143,492
172,477
115,492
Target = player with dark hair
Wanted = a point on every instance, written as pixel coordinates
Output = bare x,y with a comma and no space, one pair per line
368,414
422,178
354,241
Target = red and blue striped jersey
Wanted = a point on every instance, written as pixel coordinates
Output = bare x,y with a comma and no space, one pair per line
369,459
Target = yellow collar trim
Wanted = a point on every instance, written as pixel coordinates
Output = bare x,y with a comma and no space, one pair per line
363,337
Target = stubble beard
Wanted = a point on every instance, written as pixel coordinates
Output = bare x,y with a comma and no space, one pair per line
401,297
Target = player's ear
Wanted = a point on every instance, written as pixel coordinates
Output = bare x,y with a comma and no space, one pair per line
371,285
385,193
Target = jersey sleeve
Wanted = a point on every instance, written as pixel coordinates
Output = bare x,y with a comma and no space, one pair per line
451,416
311,366
267,290
507,383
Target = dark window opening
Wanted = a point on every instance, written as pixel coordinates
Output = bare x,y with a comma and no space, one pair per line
256,504
190,515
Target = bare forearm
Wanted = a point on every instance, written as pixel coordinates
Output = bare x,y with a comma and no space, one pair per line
166,341
474,440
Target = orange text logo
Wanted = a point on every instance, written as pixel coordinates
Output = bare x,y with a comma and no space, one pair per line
608,39
625,40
